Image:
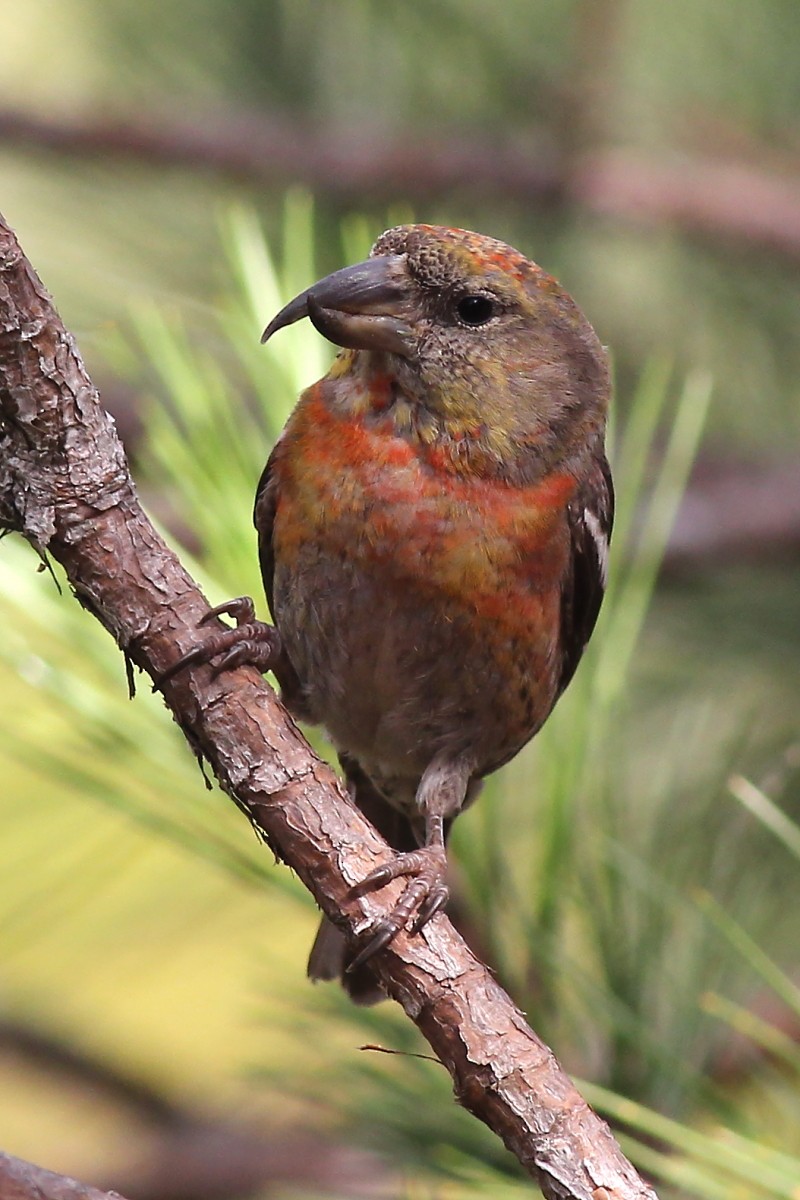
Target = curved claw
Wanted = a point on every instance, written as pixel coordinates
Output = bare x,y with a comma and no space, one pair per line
192,658
383,933
241,609
378,878
246,651
250,642
425,895
433,903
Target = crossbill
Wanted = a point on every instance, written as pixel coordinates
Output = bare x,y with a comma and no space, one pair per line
433,528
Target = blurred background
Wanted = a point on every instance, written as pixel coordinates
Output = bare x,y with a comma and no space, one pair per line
175,172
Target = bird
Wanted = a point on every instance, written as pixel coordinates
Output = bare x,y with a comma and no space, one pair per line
433,531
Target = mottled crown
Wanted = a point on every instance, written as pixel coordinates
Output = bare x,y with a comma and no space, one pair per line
439,255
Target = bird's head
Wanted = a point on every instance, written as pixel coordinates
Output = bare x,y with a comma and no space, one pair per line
480,344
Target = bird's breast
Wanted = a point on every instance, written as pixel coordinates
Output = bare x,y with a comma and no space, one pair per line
374,497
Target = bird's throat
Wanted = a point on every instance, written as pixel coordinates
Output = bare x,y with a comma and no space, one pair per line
447,432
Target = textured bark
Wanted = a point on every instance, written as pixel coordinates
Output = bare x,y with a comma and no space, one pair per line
65,485
20,1180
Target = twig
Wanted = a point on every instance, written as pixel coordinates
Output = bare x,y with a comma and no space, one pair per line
65,485
20,1180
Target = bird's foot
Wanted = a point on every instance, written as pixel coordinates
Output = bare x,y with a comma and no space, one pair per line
425,895
251,642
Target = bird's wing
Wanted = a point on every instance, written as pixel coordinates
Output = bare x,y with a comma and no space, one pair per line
591,518
264,519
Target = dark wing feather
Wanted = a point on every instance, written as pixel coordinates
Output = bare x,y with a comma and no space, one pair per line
591,519
264,519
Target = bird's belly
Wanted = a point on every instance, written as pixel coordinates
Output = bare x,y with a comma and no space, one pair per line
401,668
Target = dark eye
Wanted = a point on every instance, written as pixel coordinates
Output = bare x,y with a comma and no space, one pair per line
475,310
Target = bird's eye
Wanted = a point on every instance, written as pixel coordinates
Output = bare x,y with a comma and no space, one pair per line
475,310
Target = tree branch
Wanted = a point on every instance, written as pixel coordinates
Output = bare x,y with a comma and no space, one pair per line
65,485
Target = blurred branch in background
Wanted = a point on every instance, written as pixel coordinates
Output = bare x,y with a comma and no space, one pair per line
735,511
23,1181
732,202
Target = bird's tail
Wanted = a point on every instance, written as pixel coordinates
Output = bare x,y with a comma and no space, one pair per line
329,954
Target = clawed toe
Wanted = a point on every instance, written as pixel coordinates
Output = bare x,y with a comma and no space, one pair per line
433,903
381,876
241,608
251,642
425,895
380,935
